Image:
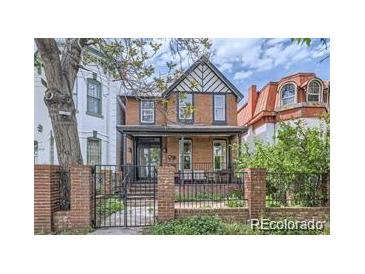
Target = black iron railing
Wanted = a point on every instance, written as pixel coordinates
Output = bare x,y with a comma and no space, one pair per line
296,189
209,189
124,195
64,190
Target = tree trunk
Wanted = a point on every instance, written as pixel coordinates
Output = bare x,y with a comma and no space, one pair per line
60,74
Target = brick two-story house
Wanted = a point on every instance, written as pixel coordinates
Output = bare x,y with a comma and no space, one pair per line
158,129
301,96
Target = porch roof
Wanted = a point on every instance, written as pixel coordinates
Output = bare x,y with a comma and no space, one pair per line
155,130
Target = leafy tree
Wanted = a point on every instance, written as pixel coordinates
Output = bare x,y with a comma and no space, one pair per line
129,61
296,148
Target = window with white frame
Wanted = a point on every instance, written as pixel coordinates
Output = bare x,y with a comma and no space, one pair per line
314,91
185,104
288,94
220,154
94,98
219,107
185,152
93,151
147,111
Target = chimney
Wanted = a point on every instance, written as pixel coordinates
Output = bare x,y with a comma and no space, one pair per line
252,100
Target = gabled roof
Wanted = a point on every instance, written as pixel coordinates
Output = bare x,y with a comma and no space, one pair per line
205,61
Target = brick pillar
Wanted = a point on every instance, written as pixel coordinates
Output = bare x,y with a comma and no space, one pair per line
165,193
81,197
255,190
45,180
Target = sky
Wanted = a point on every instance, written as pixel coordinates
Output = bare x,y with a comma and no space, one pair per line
247,62
258,61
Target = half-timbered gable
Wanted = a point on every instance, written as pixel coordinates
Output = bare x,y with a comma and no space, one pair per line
203,77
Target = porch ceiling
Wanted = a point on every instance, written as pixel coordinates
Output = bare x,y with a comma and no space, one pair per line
154,130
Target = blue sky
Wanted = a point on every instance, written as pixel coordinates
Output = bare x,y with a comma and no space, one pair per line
258,61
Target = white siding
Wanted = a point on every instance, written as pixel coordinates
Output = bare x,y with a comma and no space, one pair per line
268,131
105,126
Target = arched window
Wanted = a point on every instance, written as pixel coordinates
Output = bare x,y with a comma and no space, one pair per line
287,94
314,91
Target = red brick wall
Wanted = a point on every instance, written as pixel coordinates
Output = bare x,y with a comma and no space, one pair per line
81,197
203,113
202,149
240,215
298,213
255,190
45,196
166,193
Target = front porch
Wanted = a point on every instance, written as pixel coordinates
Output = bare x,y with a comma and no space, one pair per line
198,156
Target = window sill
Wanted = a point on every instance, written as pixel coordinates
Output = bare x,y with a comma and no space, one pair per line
94,114
219,122
303,104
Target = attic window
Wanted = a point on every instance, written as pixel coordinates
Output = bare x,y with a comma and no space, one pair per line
314,91
287,93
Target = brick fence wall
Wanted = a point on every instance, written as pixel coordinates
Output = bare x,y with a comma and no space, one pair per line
45,196
240,215
47,217
255,194
166,193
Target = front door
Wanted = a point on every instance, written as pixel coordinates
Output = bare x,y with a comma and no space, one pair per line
148,156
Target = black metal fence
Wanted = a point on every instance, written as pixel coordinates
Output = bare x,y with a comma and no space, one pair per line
124,195
64,190
194,189
296,189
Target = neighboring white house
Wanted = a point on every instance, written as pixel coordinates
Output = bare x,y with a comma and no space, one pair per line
95,98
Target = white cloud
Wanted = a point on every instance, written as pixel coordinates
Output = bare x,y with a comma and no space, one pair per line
274,41
226,67
241,75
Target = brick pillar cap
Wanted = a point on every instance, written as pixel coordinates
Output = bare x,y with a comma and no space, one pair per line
254,169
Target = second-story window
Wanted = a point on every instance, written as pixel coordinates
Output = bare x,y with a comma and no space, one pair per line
185,106
287,94
93,97
314,91
219,108
147,112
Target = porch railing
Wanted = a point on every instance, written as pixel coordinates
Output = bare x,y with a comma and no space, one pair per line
210,189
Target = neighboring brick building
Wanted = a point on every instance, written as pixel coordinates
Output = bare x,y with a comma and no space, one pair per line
300,96
159,130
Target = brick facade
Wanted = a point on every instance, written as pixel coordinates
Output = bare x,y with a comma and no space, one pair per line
164,115
166,193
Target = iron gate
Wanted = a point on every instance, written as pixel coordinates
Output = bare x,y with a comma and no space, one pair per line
122,197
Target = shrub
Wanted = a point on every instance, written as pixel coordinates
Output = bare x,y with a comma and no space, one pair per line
109,206
235,198
198,225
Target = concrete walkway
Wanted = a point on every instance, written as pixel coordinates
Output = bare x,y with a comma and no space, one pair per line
118,231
